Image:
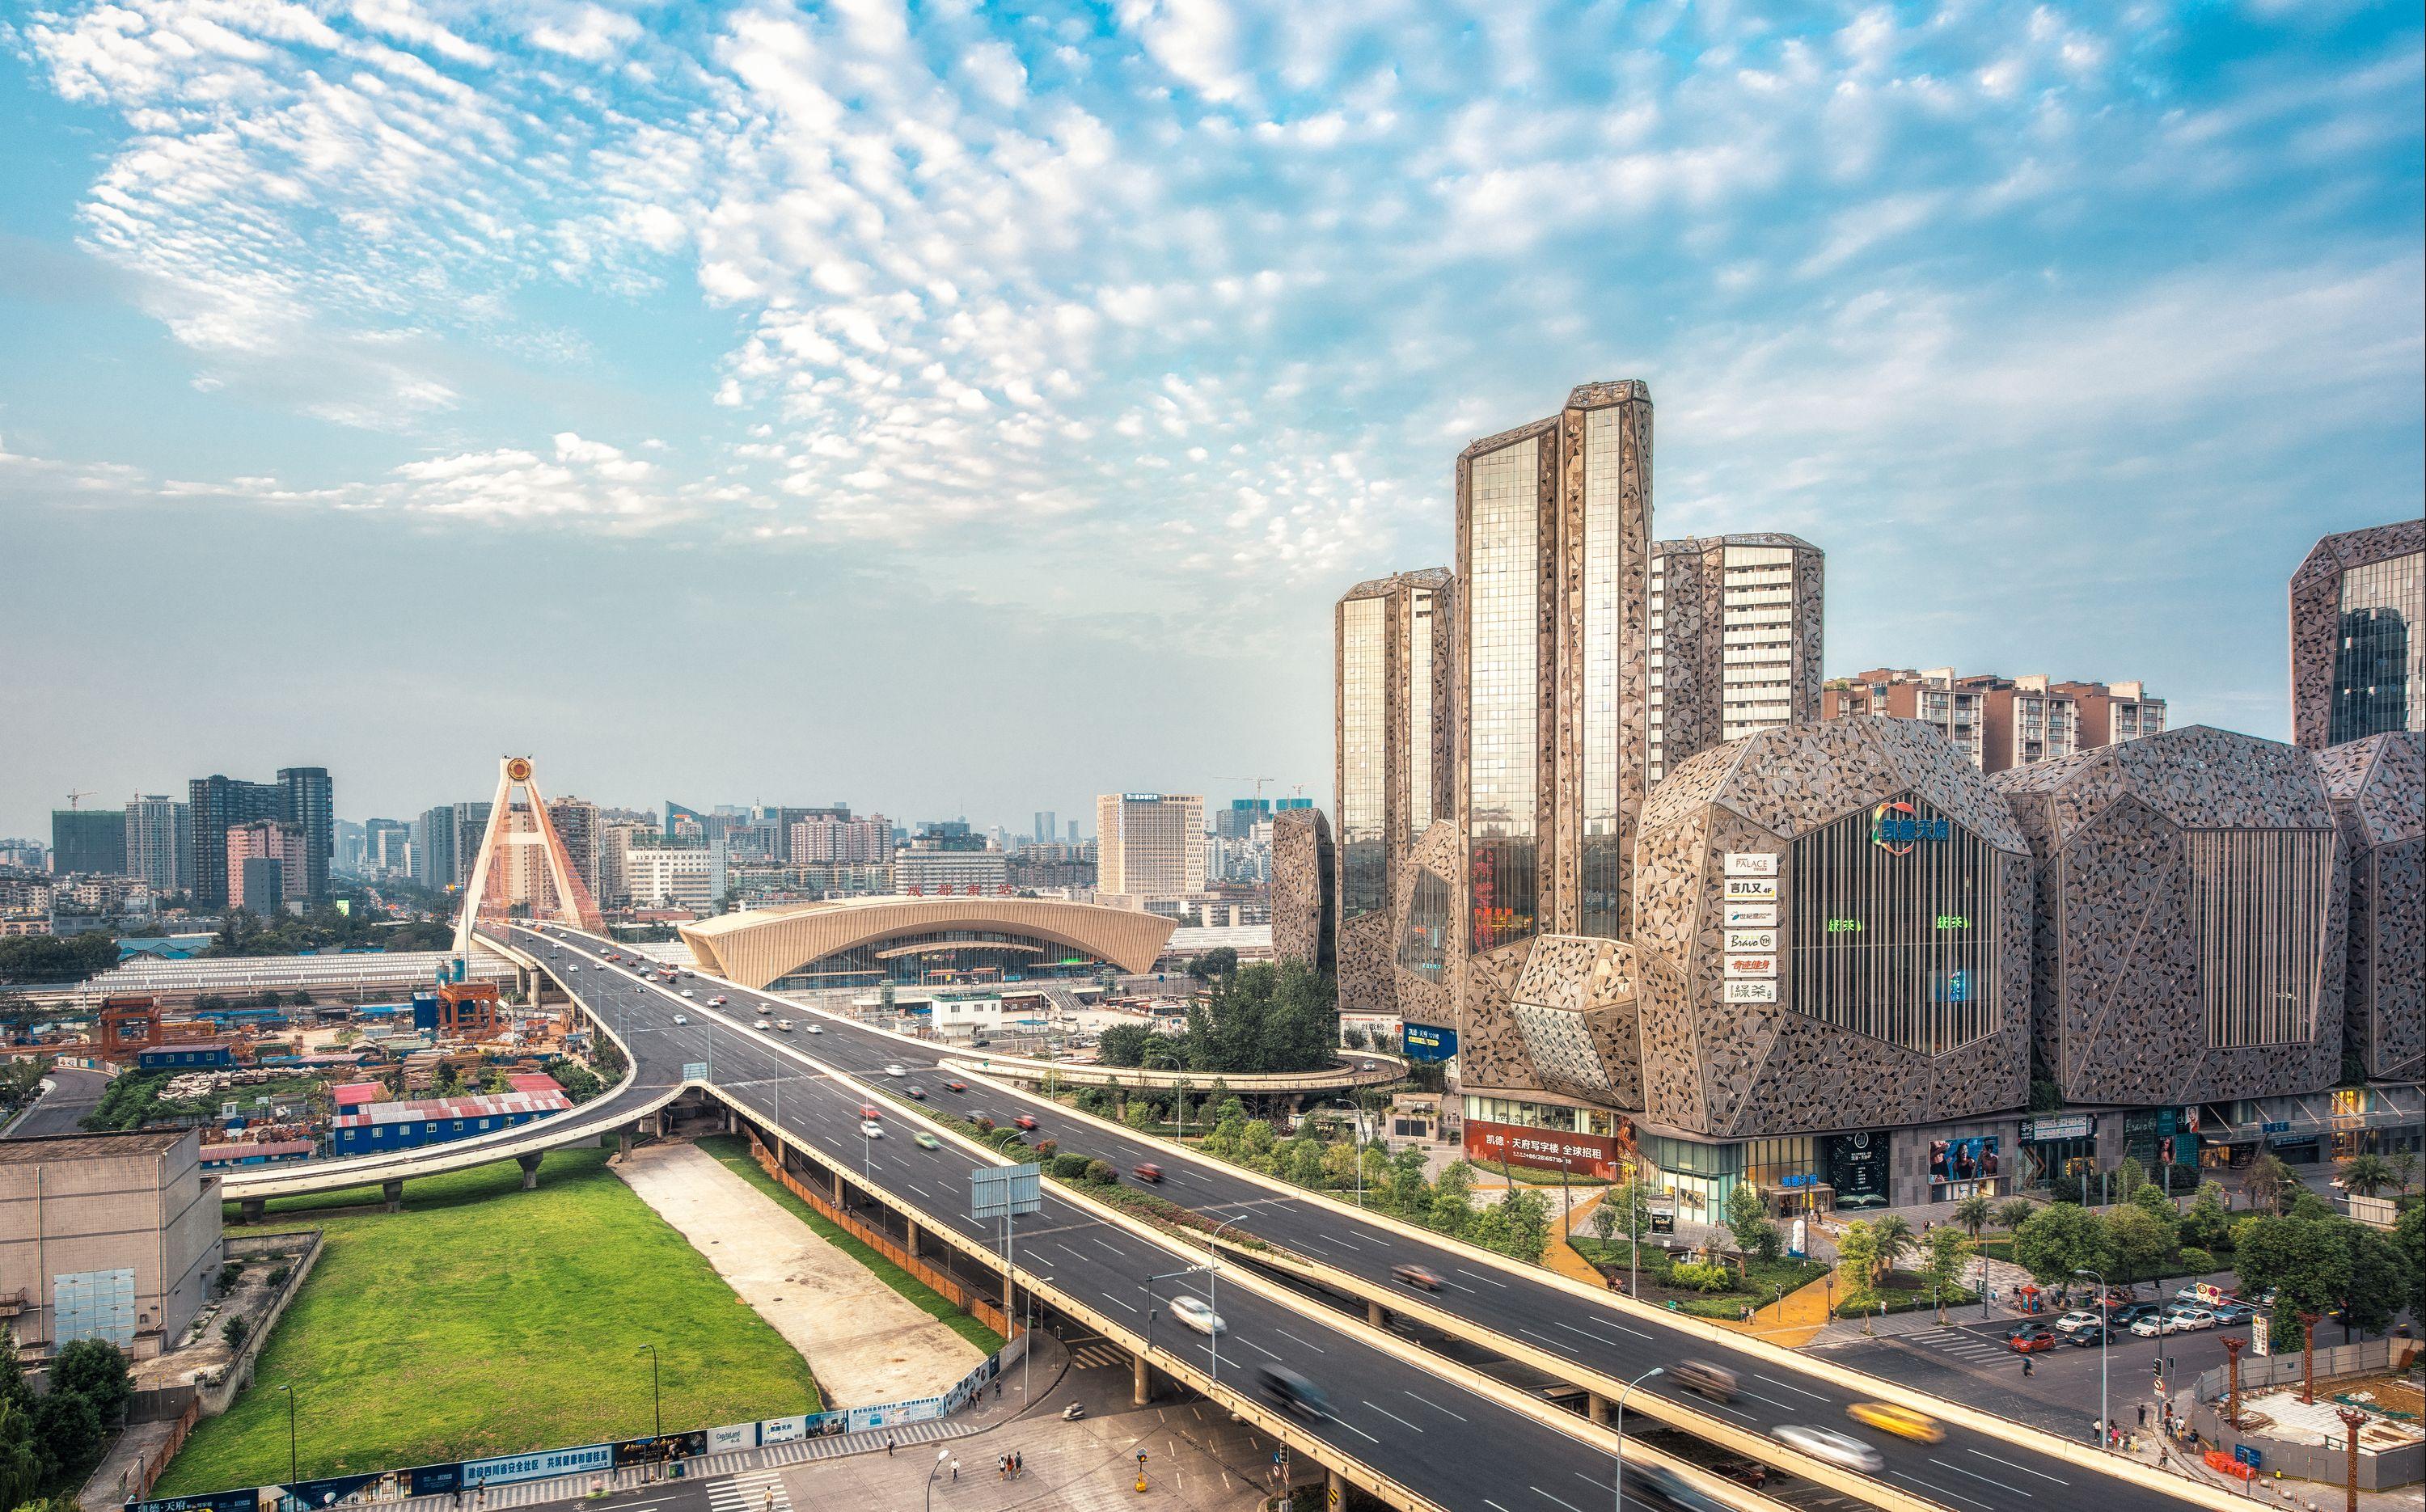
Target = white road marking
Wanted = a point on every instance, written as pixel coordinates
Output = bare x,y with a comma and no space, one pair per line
2009,1465
1788,1386
1284,1333
1983,1479
1355,1429
1492,1280
1435,1405
1940,1489
1392,1416
1560,1500
1257,1348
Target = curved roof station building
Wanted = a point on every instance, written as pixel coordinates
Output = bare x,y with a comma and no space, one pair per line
870,941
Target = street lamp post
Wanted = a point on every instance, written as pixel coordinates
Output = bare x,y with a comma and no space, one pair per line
1213,1290
1655,1369
657,1403
293,1475
941,1456
2105,1337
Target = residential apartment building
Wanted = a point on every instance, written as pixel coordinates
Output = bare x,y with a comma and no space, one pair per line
933,869
668,877
155,836
2358,636
301,797
1734,640
2001,722
266,866
835,836
576,823
1147,844
88,841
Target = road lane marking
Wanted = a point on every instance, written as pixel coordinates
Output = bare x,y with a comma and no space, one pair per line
1435,1406
1392,1416
1259,1349
1942,1490
1284,1333
1785,1386
1982,1479
1355,1429
1560,1500
2025,1469
1492,1280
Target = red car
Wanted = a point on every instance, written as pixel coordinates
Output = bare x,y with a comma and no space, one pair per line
1026,1121
956,1087
868,1111
1148,1171
2031,1336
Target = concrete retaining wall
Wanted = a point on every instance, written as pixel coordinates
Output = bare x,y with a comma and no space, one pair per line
217,1395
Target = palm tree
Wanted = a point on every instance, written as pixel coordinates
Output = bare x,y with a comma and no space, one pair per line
2014,1212
1894,1235
2366,1174
2266,1182
1973,1213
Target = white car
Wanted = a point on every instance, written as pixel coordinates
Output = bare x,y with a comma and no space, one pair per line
895,1071
784,1024
1195,1312
685,991
2155,1324
1828,1444
2193,1319
815,1030
764,1024
2075,1321
872,1128
682,1018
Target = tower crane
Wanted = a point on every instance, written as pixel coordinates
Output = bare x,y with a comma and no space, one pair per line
77,794
1259,782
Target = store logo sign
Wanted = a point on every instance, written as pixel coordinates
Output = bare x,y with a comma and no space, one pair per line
1897,827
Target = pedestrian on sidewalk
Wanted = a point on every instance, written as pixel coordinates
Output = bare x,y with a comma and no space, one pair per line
1018,1464
2143,1417
956,1469
769,1503
888,1446
1002,1467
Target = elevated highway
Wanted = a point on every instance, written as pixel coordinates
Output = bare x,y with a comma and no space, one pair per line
1589,1338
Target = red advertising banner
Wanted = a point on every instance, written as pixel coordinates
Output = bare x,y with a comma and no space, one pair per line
1579,1154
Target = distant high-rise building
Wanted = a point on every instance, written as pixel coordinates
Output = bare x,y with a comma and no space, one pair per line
2358,636
2000,722
265,865
1072,837
214,806
1046,828
153,842
1149,845
826,838
1735,639
576,824
387,848
1395,656
308,802
685,824
88,841
469,827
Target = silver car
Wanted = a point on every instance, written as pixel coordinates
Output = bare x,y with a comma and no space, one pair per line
1839,1449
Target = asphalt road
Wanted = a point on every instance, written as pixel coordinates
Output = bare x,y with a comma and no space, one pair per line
72,1093
1386,1409
1453,1445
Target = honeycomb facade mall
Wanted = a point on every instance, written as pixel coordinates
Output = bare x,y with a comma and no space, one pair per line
1830,960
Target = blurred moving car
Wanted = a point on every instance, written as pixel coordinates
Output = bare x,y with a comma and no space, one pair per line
1903,1422
1197,1313
1716,1382
926,1141
1292,1392
1656,1486
2076,1319
1417,1276
872,1128
1841,1449
1146,1170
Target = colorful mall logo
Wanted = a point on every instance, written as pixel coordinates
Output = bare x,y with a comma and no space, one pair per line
1896,826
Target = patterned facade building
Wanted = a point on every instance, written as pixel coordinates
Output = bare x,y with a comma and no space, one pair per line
1735,639
2189,932
1394,652
1552,679
2378,788
2358,636
1304,927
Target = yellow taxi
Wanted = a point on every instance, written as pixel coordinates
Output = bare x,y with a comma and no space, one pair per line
1903,1422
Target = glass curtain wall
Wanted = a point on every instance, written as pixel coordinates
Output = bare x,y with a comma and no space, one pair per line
1502,726
1364,756
2380,663
1603,652
1422,624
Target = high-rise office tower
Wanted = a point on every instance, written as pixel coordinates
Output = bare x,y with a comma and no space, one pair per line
153,842
1394,648
1735,639
469,826
386,843
88,841
1149,845
2358,636
214,806
307,802
1047,827
1553,548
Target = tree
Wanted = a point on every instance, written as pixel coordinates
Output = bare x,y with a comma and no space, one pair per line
95,1370
2304,1260
1407,1185
1304,1161
2205,1223
1746,1215
2366,1174
1528,1225
12,1375
1140,1113
1949,1248
2404,1169
2409,1238
1451,1209
447,1077
1973,1214
1893,1235
1267,1017
2140,1241
1604,1221
2014,1211
1631,1201
20,1457
2379,1276
2269,1182
1857,1259
1339,1166
1123,1044
2152,1200
2061,1239
1214,964
67,1434
579,1082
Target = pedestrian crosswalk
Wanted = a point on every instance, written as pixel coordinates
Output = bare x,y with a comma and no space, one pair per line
1964,1345
759,1490
802,1450
1097,1355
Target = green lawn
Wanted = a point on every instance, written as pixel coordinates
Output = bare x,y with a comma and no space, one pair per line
485,1320
734,1151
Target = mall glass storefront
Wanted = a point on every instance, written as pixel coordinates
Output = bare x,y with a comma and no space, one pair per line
940,958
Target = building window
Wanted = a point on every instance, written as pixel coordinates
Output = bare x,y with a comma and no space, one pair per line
2380,658
1892,925
1503,724
1424,948
1604,660
2257,899
1363,757
1417,730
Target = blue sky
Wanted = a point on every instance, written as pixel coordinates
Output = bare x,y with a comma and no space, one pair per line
984,405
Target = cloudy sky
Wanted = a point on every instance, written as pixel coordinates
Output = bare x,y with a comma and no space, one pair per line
967,407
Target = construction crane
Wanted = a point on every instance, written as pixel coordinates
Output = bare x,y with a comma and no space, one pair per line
1259,782
76,795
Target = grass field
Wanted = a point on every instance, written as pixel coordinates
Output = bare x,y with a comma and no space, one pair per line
734,1151
484,1320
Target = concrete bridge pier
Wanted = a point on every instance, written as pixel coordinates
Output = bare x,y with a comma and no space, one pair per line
1337,1486
911,1236
1141,1381
251,1209
1376,1316
529,1163
1596,1407
393,1193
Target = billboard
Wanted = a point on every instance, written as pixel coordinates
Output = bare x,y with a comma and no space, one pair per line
1428,1042
1582,1154
1761,940
1856,1165
1755,989
2157,1137
532,1466
1752,966
1751,863
1961,1160
1752,889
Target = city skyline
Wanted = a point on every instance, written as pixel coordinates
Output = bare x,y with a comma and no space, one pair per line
1942,298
